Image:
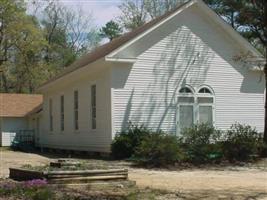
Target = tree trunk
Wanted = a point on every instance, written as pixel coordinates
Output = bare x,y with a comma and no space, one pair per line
265,108
265,73
4,83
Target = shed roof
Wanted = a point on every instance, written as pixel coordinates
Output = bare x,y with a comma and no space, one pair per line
18,105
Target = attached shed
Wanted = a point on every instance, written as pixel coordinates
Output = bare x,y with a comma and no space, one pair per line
16,111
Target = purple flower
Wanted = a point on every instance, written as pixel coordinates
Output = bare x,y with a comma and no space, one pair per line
8,186
35,183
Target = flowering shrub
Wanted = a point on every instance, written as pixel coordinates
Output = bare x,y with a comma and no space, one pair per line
35,183
7,188
32,190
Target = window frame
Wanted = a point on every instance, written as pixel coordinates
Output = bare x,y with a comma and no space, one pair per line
185,94
195,104
206,95
62,113
93,106
50,114
76,110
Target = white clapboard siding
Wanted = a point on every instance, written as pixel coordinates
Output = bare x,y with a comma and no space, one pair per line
85,138
10,127
197,53
7,138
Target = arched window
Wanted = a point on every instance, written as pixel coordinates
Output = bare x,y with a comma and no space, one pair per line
195,108
185,90
205,103
186,100
205,90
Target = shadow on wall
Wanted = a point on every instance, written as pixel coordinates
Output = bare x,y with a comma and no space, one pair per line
182,56
185,57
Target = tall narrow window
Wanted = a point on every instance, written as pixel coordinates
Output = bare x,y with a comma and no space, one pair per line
50,115
206,105
186,108
76,110
93,106
62,113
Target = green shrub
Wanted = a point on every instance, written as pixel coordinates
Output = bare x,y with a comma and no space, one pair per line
242,142
202,144
32,190
125,143
158,149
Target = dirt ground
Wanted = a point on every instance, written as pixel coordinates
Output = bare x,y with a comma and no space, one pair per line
249,182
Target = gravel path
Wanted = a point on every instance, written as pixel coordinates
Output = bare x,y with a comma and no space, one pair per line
248,181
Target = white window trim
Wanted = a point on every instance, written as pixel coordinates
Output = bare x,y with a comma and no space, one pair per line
91,107
206,104
50,115
74,110
60,113
195,105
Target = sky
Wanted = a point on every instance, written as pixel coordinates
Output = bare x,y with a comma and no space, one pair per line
101,10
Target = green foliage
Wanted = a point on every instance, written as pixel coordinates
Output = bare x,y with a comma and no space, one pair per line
125,143
32,190
202,144
21,43
199,144
111,30
159,149
242,142
247,17
34,50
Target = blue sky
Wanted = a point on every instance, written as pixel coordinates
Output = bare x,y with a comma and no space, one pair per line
102,10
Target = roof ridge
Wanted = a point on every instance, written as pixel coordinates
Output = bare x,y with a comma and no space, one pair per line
114,44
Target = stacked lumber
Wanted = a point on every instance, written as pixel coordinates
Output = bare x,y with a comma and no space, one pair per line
85,176
63,163
24,174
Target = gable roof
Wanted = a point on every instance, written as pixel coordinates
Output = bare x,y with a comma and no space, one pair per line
18,105
118,43
114,44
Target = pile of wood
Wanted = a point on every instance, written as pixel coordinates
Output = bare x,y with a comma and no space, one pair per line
60,176
24,174
64,163
85,176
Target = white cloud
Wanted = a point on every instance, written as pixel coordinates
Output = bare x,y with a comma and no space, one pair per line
102,10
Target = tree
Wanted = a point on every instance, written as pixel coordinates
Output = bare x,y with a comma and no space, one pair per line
137,12
244,16
111,30
250,19
67,34
254,16
133,14
20,39
156,8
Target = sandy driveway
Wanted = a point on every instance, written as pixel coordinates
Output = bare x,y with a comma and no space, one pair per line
252,180
17,159
202,179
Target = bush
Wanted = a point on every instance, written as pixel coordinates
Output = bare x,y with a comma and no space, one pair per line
158,149
32,190
242,142
125,143
202,144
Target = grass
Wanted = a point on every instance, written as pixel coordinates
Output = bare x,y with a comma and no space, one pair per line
148,193
81,165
